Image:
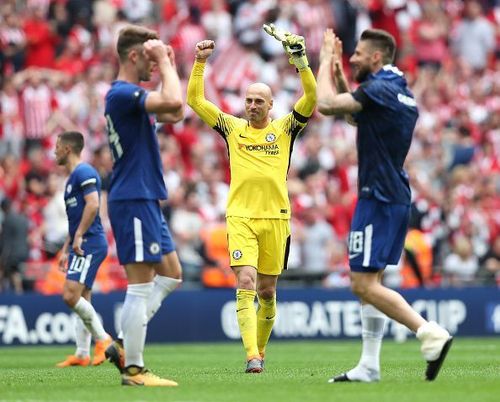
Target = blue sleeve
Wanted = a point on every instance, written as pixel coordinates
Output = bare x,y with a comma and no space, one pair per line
130,98
87,180
374,92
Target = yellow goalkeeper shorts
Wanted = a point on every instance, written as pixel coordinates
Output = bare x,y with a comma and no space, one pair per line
260,243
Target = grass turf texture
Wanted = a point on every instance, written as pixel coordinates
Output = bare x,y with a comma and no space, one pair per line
295,371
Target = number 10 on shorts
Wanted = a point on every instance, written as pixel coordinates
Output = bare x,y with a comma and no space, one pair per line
79,263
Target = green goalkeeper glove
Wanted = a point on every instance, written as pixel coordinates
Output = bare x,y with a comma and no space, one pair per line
294,45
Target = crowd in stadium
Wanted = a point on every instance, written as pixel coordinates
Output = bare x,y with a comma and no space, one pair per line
57,60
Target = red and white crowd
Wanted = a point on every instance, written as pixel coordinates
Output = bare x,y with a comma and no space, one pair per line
57,60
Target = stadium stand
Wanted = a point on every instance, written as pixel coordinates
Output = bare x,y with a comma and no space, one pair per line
57,60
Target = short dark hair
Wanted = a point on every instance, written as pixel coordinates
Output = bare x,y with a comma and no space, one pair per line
131,36
383,41
74,139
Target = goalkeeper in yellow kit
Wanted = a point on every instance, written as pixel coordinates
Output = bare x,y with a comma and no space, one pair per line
258,210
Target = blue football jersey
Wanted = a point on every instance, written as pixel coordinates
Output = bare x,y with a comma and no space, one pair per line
82,181
137,168
385,130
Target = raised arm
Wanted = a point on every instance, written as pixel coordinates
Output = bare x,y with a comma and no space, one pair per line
338,69
166,103
207,111
306,103
330,100
295,48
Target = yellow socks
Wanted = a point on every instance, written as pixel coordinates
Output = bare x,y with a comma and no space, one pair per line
247,320
266,316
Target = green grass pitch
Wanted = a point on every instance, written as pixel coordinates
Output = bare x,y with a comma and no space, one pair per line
295,371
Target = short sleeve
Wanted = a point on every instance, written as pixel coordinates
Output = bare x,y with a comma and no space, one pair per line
374,92
131,98
361,97
87,180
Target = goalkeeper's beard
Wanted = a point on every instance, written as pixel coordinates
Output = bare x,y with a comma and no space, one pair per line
254,114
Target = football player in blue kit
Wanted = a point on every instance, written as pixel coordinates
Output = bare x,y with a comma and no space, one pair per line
385,112
84,249
143,241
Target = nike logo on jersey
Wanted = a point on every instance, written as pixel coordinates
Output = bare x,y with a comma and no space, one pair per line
270,318
242,136
352,256
241,309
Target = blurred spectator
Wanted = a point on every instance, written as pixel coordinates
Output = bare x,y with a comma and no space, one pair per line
103,163
217,23
460,267
314,16
218,273
489,271
10,185
54,215
137,11
80,11
14,248
70,60
213,192
187,35
248,21
430,35
10,120
186,224
317,241
40,37
474,37
463,149
61,21
339,271
340,209
417,256
295,252
12,43
284,17
37,104
383,15
345,13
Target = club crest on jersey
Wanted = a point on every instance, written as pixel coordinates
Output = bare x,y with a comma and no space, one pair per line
237,254
154,248
69,188
270,137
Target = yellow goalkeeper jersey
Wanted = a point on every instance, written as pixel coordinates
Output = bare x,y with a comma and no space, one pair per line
259,158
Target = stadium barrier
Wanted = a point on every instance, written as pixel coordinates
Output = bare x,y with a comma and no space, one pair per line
209,315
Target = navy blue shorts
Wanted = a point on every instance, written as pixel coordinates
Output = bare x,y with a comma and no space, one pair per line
378,232
140,230
83,269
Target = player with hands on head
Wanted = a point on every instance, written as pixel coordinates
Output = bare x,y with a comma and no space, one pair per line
84,250
385,112
258,208
143,241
